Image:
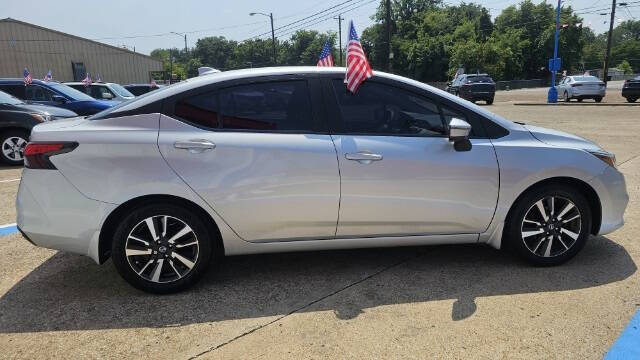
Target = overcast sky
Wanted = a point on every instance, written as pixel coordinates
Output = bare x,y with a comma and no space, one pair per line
144,24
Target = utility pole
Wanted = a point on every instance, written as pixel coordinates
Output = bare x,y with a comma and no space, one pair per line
170,65
608,54
185,42
389,50
273,33
340,18
552,95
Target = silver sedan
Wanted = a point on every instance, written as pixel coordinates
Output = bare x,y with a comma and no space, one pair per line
581,87
285,159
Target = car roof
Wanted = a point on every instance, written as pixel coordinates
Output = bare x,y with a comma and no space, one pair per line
21,81
81,83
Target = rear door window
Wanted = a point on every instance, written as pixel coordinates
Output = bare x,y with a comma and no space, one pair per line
37,93
201,110
15,90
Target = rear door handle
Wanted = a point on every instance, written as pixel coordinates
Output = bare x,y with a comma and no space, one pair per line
363,157
195,146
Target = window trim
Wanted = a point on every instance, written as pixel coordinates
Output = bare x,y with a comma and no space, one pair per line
312,83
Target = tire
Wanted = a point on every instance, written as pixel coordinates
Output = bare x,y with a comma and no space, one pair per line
457,93
566,97
12,144
631,100
526,231
163,267
580,99
490,101
598,99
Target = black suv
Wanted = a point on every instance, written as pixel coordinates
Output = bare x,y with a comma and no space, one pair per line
473,87
631,89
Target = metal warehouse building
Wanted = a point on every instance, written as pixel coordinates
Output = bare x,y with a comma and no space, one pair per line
69,57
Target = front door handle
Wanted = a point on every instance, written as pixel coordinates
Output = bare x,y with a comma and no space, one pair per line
195,146
363,157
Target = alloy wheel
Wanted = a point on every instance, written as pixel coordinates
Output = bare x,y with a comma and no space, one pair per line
551,226
13,148
162,249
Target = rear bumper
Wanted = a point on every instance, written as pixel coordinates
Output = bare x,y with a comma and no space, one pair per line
612,191
587,93
478,95
631,92
52,213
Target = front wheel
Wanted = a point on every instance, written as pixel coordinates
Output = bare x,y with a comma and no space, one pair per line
162,248
566,97
631,100
13,143
598,99
489,101
549,225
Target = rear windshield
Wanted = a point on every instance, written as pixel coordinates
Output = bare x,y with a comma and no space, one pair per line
479,79
585,78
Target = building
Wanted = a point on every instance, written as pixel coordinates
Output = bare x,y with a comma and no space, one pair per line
68,57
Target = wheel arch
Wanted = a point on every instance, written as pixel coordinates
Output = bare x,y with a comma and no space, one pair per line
110,224
589,192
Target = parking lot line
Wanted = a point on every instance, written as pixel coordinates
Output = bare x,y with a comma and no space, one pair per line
10,180
628,344
8,229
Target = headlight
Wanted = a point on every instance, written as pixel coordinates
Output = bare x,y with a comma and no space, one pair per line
607,157
41,118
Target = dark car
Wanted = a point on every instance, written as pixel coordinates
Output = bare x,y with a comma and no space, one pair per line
53,93
141,89
631,89
474,87
16,120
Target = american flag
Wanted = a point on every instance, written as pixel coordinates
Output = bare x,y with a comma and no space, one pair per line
326,58
48,77
358,68
99,79
87,80
27,77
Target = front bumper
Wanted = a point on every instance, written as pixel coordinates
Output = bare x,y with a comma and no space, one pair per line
612,191
52,213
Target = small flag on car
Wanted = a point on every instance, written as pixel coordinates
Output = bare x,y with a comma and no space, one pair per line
27,77
87,80
358,68
326,58
98,79
48,77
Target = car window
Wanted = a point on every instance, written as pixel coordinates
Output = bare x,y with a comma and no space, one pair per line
120,90
37,93
15,90
201,110
479,79
70,92
99,92
275,106
380,109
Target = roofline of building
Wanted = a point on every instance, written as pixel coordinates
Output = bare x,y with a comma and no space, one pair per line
76,37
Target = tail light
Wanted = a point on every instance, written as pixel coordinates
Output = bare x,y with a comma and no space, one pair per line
36,155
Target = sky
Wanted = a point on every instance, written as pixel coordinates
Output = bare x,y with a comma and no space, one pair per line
146,25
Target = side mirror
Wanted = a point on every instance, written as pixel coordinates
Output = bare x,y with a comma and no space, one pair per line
59,99
459,130
107,96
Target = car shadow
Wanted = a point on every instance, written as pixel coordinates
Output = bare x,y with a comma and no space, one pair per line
69,292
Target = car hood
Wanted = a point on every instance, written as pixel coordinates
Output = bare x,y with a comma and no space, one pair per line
49,110
562,139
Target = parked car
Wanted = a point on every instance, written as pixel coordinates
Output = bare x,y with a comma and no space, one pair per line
581,87
53,93
285,159
631,89
16,121
140,89
473,87
103,91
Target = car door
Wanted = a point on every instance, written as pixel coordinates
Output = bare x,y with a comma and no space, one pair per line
258,153
400,175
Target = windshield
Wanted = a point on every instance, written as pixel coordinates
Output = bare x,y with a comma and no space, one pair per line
118,89
585,78
479,79
71,92
8,99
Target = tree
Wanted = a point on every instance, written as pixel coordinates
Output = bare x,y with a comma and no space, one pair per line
625,67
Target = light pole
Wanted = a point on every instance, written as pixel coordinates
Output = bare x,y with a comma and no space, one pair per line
554,64
273,34
185,40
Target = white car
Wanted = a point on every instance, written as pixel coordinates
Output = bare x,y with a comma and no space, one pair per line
103,91
581,87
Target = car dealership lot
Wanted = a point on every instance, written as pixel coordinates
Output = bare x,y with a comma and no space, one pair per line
445,301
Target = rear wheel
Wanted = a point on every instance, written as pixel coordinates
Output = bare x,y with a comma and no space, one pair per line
489,101
598,99
566,97
631,100
549,225
12,144
580,99
162,248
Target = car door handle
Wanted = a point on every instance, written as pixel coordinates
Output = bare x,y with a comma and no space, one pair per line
363,157
195,146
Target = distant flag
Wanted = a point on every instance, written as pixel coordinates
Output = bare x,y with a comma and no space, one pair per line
87,80
27,77
358,68
48,77
98,79
326,58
